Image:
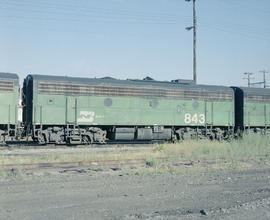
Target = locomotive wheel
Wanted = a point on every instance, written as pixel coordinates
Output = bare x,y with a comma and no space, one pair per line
2,139
60,139
41,139
86,140
174,138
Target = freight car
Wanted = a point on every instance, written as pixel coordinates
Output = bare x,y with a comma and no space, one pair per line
9,103
83,110
252,109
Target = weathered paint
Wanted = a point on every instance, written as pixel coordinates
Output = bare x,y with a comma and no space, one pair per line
256,114
9,102
92,110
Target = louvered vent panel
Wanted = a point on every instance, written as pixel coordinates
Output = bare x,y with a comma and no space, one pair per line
6,86
89,90
258,98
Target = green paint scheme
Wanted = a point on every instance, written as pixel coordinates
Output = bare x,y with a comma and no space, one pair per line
9,102
128,111
256,114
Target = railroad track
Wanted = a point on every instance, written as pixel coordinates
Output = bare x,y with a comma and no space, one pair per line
110,144
70,165
108,163
45,152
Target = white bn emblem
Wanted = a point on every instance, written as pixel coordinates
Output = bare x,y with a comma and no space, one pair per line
86,116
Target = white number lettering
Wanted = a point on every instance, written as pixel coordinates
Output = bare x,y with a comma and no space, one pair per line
194,118
202,118
187,118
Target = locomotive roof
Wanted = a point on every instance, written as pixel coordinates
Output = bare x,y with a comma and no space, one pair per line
8,76
255,90
109,80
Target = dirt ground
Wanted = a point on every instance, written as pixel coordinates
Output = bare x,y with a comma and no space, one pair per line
122,193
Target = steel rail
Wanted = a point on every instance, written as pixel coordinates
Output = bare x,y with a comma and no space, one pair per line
69,165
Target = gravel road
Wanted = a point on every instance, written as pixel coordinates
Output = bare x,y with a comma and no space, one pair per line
118,194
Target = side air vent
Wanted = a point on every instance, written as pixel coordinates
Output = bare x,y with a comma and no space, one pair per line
108,90
6,85
258,97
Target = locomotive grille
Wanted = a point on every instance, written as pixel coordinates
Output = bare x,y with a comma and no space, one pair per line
107,90
258,98
6,86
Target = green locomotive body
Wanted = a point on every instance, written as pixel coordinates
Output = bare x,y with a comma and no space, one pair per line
75,110
252,108
9,104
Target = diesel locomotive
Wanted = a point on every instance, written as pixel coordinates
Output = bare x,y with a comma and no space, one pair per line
72,110
9,106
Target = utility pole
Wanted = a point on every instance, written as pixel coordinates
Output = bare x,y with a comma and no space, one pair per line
264,77
248,77
194,27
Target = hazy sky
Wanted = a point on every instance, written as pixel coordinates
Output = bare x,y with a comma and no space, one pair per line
135,38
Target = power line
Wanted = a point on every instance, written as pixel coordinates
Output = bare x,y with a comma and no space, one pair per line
248,77
83,20
237,32
87,15
28,5
264,77
242,5
122,16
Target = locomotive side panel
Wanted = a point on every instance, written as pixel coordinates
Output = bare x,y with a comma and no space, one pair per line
113,104
256,108
9,98
252,108
9,105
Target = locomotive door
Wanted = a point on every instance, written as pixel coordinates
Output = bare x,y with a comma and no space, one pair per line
208,113
71,110
266,115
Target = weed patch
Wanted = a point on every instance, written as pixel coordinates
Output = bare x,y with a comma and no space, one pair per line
225,155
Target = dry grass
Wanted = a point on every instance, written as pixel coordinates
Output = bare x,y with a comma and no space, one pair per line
85,155
250,147
237,153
